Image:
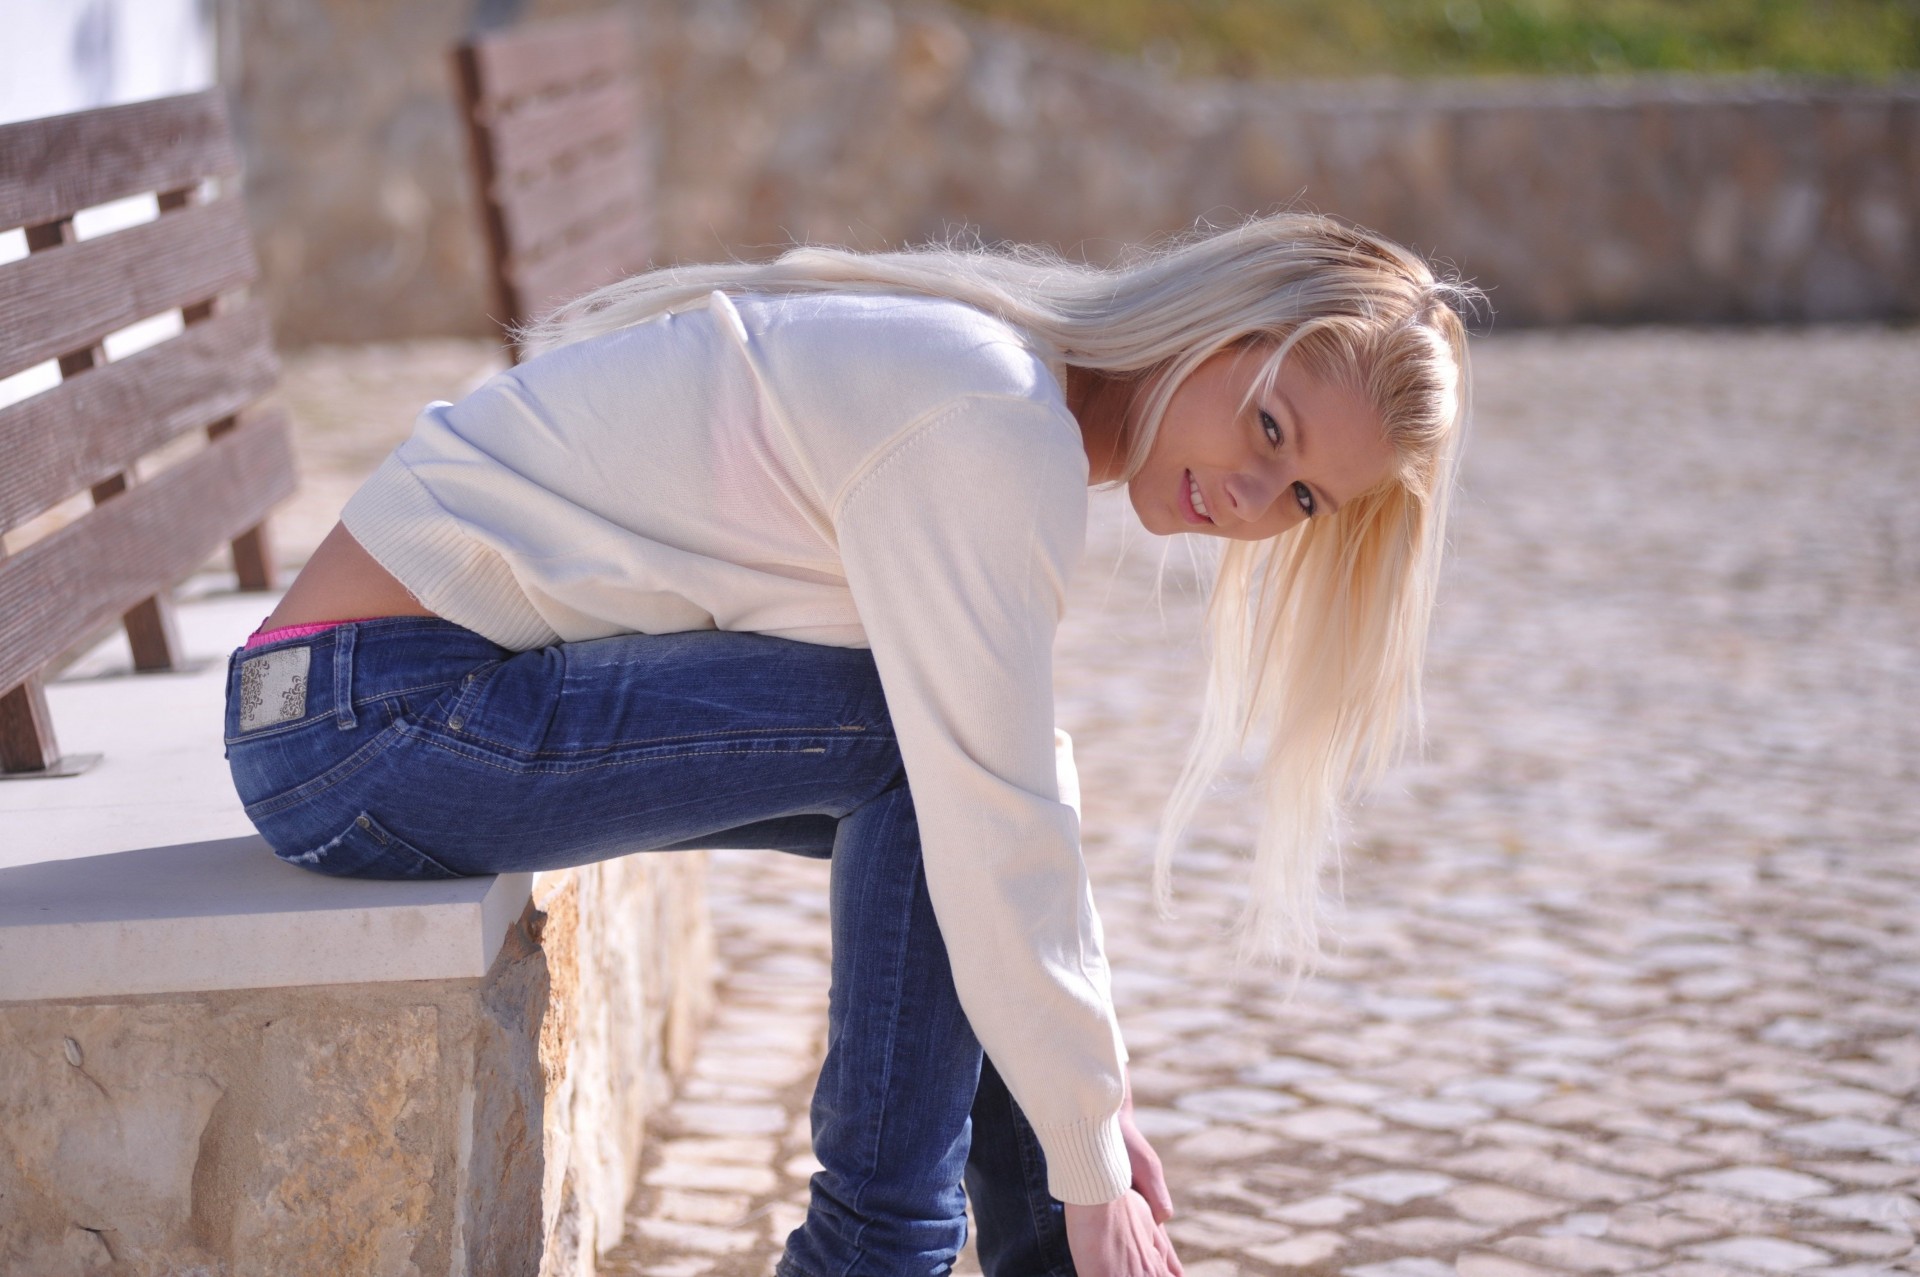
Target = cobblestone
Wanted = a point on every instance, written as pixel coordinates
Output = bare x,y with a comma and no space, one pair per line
1395,1188
1304,1251
1769,1254
1628,955
1767,1183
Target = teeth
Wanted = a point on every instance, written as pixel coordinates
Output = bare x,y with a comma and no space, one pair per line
1193,494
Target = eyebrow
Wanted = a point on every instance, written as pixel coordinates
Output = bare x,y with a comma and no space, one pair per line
1300,445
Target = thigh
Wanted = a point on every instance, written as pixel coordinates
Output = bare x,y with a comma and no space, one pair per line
581,751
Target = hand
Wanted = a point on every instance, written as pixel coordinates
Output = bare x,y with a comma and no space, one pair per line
1149,1180
1120,1238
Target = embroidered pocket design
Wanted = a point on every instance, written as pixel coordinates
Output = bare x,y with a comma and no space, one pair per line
273,687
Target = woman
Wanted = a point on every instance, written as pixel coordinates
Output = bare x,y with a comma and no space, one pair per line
773,555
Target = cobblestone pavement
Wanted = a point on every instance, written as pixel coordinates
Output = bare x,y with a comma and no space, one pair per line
1627,978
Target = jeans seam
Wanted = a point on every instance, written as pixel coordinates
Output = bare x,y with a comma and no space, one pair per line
471,685
834,731
345,770
405,691
387,838
886,1081
279,729
552,764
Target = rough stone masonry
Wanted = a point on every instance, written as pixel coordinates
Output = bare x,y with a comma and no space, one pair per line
867,123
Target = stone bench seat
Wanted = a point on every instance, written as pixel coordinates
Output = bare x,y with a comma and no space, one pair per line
143,876
210,1058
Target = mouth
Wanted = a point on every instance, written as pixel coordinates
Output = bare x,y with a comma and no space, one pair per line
1193,505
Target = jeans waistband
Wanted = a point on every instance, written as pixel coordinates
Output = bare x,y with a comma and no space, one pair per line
289,682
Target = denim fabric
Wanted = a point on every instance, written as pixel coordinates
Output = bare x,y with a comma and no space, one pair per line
1022,1228
412,748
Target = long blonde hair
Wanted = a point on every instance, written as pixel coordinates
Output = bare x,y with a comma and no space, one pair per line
1317,636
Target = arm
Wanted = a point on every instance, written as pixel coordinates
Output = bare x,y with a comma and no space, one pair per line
958,543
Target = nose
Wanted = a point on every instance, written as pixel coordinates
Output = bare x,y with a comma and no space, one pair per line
1251,491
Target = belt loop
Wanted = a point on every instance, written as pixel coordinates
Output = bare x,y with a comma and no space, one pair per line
343,677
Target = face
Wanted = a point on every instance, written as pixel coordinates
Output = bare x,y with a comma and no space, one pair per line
1230,462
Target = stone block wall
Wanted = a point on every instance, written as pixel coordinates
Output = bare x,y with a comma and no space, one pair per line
629,951
432,1128
850,121
863,122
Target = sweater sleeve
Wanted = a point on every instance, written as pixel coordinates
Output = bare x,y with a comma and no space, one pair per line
958,543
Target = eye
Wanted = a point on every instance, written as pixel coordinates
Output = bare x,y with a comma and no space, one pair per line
1304,495
1272,427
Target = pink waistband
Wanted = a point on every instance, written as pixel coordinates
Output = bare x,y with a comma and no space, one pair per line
259,637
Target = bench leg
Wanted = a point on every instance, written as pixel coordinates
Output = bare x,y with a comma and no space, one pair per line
153,635
27,743
252,557
28,749
251,561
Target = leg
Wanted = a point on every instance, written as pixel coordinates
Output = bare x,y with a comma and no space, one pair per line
563,755
1023,1228
499,761
890,1118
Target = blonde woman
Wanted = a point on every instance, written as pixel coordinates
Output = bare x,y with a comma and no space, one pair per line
773,556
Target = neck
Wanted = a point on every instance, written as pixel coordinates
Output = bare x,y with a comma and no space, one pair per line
1099,402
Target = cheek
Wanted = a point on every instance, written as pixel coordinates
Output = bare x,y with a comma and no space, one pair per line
1137,493
1150,512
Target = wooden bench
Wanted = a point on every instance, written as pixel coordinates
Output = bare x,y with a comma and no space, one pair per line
91,432
559,160
215,1061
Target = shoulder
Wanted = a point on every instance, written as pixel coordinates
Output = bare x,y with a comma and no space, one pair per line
921,349
1012,470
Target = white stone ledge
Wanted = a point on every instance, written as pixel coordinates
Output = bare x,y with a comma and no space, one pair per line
227,915
143,875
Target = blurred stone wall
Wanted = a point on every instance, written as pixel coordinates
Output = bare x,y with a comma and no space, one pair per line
356,162
862,122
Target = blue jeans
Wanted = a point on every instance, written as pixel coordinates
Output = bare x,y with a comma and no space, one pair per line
414,748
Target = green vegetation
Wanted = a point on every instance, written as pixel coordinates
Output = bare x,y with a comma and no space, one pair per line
1854,39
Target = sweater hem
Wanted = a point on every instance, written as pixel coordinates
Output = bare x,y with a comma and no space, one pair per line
1087,1161
460,579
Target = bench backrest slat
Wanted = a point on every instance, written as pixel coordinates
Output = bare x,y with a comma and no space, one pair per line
165,440
543,58
84,430
69,297
51,167
65,586
547,134
602,189
574,268
554,117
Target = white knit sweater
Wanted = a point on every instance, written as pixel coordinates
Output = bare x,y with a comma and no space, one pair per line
899,473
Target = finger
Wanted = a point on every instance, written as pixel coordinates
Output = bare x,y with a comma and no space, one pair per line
1160,1200
1150,1181
1166,1250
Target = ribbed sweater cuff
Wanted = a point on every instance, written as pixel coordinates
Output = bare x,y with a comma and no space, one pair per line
1086,1161
398,522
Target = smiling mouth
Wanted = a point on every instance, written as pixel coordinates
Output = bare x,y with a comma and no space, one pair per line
1192,504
